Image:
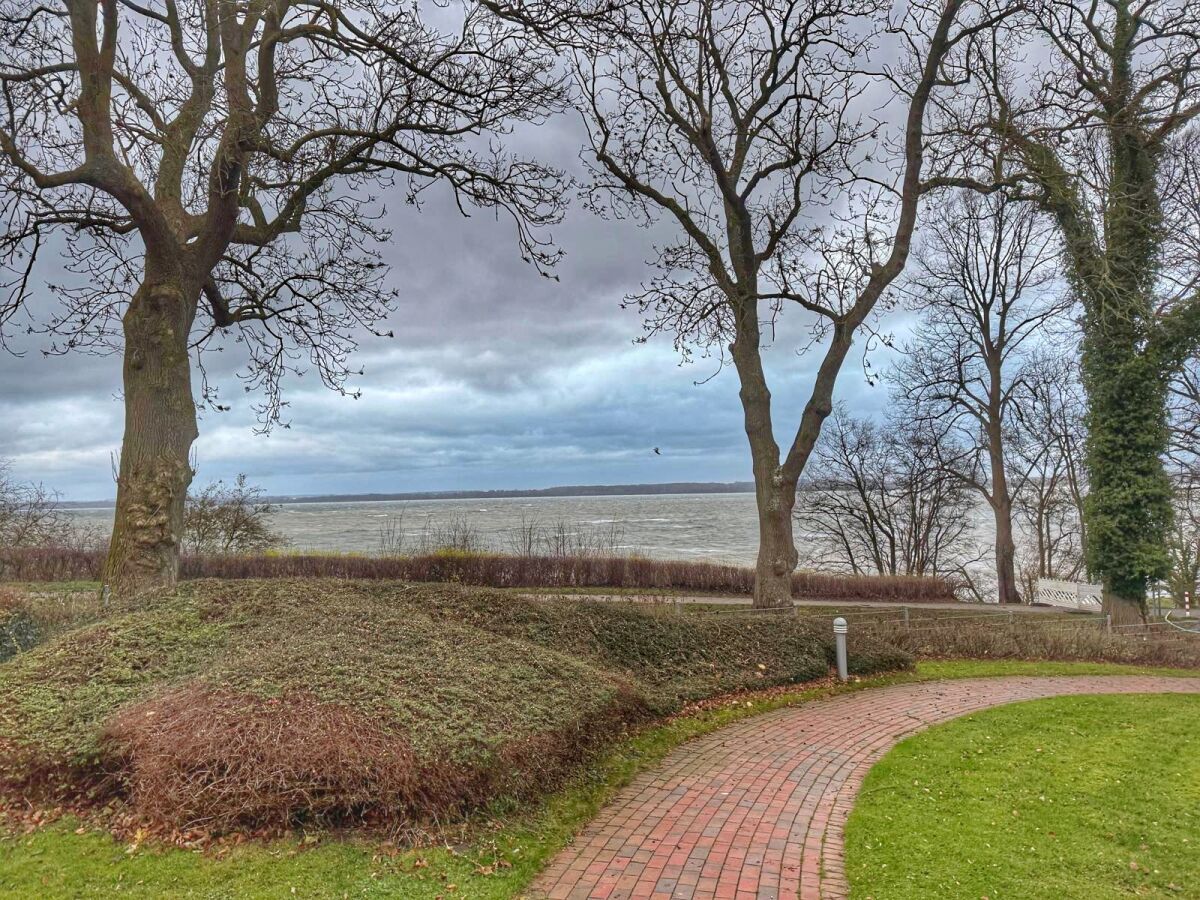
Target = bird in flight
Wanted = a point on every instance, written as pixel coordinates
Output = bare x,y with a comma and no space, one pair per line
657,452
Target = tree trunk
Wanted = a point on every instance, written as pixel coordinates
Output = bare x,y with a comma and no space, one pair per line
774,492
777,556
160,426
1124,611
1006,554
1001,498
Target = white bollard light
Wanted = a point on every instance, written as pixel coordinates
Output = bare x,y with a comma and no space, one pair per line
839,636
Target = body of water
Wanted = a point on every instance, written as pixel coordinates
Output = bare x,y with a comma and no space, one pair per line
716,527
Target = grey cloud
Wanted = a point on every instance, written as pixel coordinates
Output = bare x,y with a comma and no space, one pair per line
496,377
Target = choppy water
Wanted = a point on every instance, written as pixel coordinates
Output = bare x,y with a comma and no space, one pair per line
717,527
712,527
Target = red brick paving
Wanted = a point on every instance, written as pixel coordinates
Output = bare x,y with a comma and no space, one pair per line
756,810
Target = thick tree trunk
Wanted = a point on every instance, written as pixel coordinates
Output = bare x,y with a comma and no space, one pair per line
1124,611
777,555
1006,556
160,426
774,492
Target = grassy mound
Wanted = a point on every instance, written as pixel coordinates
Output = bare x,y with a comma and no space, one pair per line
273,703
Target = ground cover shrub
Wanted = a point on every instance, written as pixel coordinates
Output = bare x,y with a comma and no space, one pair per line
491,570
1035,637
273,703
29,617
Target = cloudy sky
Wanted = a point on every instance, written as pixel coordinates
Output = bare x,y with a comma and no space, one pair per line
496,378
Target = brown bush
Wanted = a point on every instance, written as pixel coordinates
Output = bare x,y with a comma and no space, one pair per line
50,564
493,570
193,758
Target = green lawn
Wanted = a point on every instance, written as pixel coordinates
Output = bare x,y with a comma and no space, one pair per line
495,863
1075,797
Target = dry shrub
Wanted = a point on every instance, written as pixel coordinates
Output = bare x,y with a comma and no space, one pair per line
492,570
50,564
193,758
10,601
499,570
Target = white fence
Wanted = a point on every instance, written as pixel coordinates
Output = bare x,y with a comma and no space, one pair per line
1070,594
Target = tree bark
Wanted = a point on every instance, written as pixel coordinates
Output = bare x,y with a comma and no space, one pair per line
1006,555
1001,502
777,556
774,492
160,427
1123,610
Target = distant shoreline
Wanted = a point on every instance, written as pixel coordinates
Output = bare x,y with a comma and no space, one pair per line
574,490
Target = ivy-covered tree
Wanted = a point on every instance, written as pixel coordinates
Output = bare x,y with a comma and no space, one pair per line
1094,137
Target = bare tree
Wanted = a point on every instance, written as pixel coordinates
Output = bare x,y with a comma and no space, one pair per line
29,513
206,166
985,285
1183,544
1097,136
229,518
876,501
1049,443
738,123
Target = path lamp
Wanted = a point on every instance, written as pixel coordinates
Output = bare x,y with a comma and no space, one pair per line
839,636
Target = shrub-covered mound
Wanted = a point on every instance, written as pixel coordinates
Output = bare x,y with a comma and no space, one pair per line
275,703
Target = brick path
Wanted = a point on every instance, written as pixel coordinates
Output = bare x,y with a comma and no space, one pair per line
756,810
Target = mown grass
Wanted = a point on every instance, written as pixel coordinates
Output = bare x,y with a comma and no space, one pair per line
495,860
1073,797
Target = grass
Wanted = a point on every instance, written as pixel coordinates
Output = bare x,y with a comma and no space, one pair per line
1072,797
489,863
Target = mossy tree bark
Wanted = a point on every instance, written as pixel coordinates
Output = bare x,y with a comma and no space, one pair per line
160,427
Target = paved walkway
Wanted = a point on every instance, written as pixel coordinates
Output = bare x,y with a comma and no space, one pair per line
756,810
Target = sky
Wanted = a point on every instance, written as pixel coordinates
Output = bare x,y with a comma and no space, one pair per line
496,378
